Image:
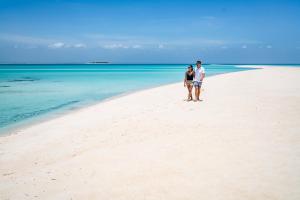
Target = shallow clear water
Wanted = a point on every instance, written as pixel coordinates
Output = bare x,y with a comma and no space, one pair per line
28,92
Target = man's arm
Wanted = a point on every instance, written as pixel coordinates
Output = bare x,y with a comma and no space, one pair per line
202,76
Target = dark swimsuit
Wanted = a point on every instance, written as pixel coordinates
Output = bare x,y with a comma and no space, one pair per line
189,77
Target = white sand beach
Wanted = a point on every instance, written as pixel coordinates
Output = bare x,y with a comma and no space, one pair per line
241,142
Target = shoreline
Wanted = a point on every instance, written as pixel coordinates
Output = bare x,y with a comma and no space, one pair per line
27,123
59,113
238,143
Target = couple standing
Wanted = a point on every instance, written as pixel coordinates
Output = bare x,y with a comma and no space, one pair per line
194,78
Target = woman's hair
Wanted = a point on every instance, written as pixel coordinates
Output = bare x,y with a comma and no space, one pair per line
191,66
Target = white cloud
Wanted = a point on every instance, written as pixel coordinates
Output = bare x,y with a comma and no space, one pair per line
57,45
115,46
136,46
29,42
130,41
21,39
161,46
269,47
79,45
125,41
121,46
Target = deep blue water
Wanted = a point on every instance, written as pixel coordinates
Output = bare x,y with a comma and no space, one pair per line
29,92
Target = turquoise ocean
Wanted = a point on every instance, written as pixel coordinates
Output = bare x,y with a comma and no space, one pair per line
31,92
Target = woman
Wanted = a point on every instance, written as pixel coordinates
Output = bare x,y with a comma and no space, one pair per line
188,81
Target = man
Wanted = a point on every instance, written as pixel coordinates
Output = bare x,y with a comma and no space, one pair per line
198,79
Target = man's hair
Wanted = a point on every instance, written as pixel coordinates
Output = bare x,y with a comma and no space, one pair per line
198,62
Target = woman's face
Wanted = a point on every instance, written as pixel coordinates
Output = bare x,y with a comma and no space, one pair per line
189,69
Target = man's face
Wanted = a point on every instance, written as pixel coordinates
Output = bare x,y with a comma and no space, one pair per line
198,65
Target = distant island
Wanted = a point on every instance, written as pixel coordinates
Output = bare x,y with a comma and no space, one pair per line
97,62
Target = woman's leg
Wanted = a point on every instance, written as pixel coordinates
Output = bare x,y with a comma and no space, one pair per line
187,87
190,87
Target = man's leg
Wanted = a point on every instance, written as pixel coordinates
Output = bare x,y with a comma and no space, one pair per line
199,91
196,92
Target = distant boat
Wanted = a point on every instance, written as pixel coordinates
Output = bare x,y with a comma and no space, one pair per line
98,62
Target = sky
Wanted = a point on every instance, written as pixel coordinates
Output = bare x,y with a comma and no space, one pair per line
156,31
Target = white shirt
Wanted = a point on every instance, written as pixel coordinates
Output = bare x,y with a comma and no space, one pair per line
198,73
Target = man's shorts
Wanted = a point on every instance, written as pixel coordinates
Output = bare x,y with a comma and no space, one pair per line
197,84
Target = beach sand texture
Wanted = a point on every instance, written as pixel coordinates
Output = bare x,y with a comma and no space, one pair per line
241,142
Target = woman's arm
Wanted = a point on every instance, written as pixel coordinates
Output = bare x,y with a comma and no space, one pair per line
184,80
